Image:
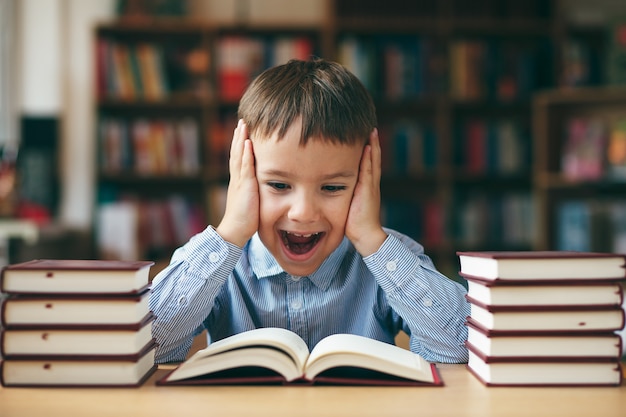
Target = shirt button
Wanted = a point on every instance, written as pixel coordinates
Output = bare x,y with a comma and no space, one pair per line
391,266
296,305
295,278
427,302
182,301
214,257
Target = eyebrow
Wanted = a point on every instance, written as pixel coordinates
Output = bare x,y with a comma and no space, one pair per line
285,174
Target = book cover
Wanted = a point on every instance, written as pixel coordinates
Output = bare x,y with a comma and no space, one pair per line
556,318
42,310
542,344
75,343
616,51
523,292
75,277
279,356
616,151
97,371
543,265
583,151
529,372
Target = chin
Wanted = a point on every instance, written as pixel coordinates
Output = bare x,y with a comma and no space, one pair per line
299,270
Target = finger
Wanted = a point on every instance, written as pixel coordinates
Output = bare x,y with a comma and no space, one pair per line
236,148
376,157
365,171
247,160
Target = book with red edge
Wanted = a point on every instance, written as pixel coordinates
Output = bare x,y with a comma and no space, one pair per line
542,345
73,341
71,310
69,276
86,371
530,371
543,266
553,318
280,357
523,292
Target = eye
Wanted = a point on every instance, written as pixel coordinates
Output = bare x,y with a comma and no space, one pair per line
333,188
280,186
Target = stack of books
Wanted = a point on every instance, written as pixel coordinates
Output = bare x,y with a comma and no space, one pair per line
76,323
544,318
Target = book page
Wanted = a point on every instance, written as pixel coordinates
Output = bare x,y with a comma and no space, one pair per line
265,357
278,338
358,351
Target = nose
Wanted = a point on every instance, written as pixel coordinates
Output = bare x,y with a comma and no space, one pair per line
303,208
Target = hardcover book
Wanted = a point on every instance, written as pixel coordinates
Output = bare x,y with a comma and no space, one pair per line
74,341
543,265
542,344
123,370
280,356
493,371
65,276
521,292
567,318
37,311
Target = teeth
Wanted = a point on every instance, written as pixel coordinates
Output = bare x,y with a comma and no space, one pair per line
301,235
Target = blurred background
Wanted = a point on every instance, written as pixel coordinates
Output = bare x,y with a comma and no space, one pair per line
503,122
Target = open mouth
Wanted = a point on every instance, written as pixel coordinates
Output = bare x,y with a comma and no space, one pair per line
300,244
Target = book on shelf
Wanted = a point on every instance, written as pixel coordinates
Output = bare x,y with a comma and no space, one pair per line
616,151
556,318
359,56
492,146
116,230
411,148
75,276
548,345
92,371
578,63
28,311
573,226
616,51
583,155
72,342
280,356
543,266
241,58
468,60
515,293
589,224
496,371
503,220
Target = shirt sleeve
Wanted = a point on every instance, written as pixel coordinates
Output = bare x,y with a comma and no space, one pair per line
432,306
184,293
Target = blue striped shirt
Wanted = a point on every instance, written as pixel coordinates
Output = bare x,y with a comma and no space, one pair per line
214,285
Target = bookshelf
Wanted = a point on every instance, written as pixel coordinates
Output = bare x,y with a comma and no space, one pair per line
580,169
167,91
453,84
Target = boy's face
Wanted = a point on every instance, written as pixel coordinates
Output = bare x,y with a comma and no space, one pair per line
305,194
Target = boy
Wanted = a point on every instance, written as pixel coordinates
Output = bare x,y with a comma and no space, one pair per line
301,245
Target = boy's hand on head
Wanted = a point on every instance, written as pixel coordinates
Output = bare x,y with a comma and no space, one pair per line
363,226
241,218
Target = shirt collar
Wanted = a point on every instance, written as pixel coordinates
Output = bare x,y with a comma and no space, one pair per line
264,264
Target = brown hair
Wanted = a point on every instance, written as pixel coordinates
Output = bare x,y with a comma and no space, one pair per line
331,101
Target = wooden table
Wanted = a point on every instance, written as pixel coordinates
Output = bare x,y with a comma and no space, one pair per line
462,395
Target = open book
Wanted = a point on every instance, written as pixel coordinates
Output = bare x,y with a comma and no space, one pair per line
275,355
